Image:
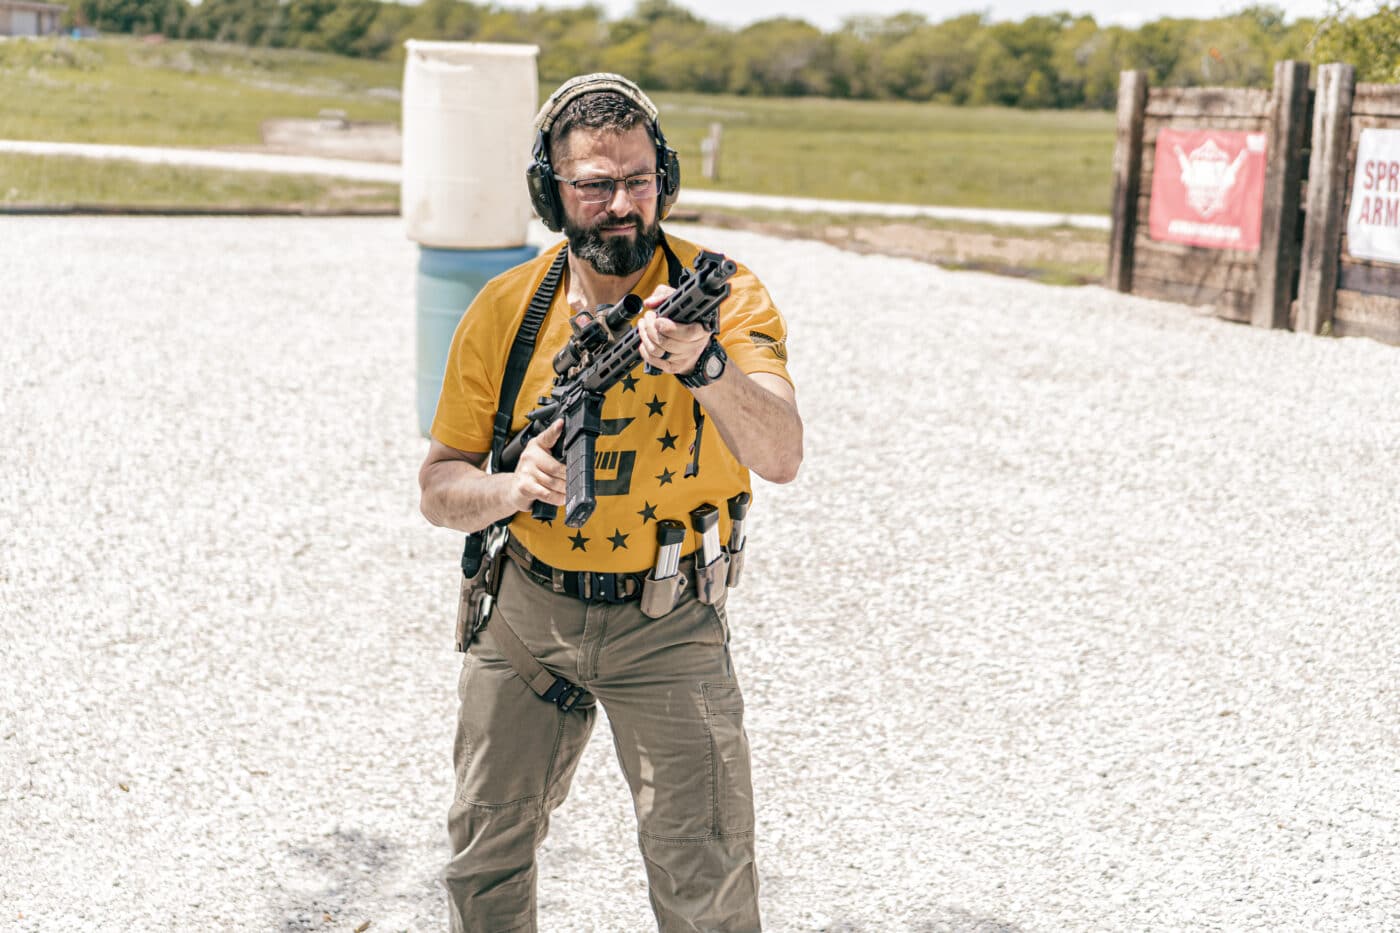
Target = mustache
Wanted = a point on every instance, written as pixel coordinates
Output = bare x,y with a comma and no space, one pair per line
632,220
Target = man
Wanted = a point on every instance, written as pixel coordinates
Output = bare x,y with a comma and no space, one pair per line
573,597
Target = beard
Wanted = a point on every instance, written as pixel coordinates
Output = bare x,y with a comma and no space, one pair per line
614,255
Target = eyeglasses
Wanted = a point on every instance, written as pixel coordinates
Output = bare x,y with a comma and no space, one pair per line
599,190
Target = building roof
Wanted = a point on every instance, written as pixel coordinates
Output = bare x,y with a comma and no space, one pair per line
32,5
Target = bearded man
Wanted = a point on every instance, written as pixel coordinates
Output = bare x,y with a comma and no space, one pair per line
580,600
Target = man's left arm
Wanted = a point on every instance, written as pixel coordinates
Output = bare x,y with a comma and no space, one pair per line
756,413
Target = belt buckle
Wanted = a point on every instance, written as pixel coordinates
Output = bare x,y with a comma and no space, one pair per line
564,695
604,586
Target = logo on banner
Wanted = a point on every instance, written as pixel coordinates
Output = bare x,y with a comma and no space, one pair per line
1209,176
1373,223
1208,188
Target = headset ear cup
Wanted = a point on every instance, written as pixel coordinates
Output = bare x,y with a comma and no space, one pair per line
544,195
671,187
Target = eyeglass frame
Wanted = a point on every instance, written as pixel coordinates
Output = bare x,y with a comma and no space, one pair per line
658,174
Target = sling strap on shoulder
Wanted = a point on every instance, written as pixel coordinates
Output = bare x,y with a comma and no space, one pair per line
521,352
673,263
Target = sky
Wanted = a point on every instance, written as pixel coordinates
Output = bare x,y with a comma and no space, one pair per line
828,14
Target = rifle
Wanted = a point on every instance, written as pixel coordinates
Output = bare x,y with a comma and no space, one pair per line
602,350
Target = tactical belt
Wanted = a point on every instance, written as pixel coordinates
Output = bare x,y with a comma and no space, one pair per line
580,584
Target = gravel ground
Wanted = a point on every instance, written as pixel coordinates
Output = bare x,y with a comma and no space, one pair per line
1082,615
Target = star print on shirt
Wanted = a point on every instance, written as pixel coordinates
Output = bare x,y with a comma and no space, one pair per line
668,441
665,477
648,512
618,539
629,383
654,406
579,541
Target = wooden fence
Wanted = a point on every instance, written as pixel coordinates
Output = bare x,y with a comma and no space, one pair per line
1339,293
1301,275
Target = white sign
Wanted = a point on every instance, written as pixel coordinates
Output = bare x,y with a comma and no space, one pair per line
1373,225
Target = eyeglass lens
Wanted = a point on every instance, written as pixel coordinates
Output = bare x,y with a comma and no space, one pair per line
601,189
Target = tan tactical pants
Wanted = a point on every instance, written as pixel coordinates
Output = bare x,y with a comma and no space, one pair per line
677,719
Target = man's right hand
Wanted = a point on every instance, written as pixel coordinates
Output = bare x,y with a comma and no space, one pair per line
538,476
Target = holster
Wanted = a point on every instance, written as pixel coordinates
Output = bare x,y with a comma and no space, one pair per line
478,592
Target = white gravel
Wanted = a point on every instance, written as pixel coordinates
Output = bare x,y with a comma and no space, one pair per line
1082,615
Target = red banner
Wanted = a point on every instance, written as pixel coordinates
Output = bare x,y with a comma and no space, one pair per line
1208,188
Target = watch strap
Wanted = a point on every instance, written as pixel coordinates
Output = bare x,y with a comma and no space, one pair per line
697,377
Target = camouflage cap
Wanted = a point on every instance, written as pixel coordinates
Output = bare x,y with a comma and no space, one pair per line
588,84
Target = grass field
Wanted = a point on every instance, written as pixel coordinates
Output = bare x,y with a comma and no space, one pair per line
178,93
53,180
901,152
203,94
1054,255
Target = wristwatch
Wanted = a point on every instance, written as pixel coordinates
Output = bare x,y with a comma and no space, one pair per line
708,368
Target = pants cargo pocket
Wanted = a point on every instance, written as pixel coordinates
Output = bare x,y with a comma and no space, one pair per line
731,782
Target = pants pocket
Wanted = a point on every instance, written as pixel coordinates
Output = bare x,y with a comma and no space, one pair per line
731,780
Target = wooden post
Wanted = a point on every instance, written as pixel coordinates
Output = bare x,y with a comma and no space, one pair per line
1127,177
709,152
1327,175
1283,184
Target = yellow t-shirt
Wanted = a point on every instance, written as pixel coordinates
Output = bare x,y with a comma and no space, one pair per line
648,424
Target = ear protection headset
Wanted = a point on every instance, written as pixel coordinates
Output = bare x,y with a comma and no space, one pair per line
539,177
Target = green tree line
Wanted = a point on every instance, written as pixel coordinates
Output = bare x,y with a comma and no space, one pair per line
1056,61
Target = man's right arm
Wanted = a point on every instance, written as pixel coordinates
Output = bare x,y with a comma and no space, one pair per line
458,493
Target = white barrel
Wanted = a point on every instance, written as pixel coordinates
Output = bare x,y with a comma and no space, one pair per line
467,114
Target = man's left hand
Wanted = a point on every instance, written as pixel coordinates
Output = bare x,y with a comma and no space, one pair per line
666,345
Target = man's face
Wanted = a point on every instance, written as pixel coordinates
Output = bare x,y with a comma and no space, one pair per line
618,236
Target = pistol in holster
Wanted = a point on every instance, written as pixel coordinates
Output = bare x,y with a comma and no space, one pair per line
483,562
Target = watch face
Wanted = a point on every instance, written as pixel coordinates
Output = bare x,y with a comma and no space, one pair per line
713,367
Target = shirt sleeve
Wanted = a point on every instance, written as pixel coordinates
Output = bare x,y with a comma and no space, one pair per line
466,408
752,330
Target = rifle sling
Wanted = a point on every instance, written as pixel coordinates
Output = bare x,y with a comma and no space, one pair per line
521,351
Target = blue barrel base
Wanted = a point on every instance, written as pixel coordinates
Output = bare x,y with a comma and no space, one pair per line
448,280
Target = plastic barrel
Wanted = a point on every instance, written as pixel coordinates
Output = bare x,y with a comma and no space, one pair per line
468,110
448,280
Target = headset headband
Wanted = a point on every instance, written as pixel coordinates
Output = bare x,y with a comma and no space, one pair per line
589,84
539,177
